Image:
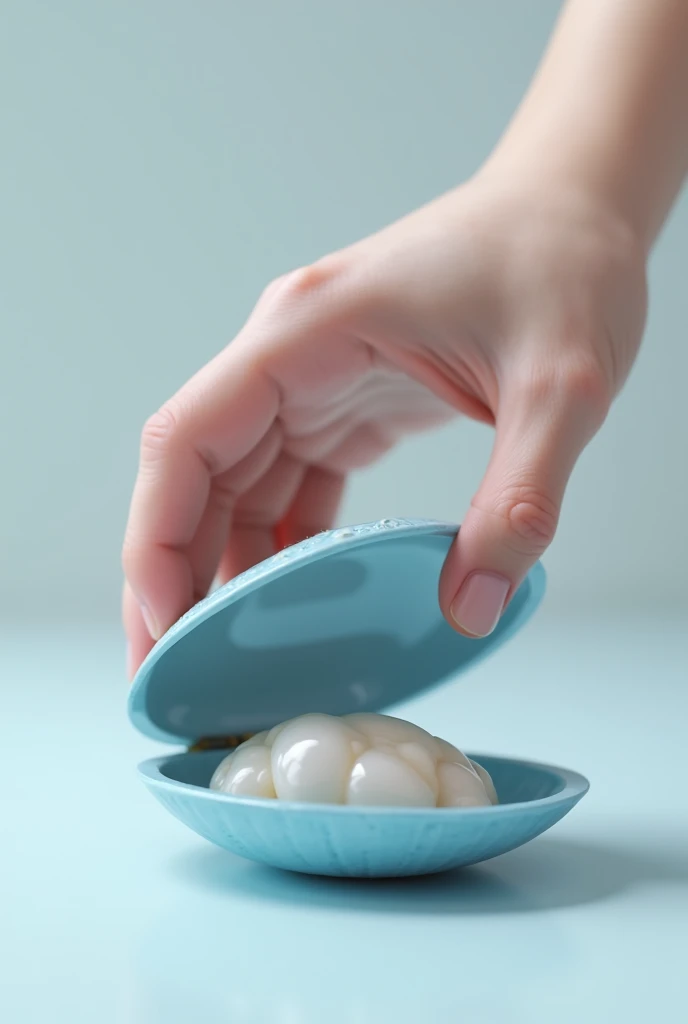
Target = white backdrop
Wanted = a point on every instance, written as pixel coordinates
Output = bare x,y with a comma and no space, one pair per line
162,160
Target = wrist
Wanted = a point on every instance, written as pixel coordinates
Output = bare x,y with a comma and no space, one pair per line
605,111
568,188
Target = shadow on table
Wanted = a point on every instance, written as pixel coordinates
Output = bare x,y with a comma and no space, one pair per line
547,874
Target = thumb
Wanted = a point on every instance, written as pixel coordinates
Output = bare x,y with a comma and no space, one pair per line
541,431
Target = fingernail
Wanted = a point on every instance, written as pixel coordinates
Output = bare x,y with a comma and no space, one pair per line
479,603
151,624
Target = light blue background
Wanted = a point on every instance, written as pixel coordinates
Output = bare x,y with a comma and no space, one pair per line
162,160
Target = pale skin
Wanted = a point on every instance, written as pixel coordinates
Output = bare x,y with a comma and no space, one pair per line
518,299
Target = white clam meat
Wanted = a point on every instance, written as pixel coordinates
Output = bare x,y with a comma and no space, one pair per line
366,760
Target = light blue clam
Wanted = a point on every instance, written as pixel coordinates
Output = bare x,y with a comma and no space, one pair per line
345,621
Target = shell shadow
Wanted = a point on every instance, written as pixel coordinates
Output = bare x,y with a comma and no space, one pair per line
547,874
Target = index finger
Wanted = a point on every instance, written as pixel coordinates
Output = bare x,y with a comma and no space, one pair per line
212,423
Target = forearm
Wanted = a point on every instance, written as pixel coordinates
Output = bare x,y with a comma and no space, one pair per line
608,107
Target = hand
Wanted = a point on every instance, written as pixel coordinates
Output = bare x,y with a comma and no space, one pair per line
516,301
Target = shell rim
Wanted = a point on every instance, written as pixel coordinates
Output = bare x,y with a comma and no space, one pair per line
575,788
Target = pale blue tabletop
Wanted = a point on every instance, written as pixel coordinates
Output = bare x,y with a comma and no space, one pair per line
111,911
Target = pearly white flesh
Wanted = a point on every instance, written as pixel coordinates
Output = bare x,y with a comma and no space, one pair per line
363,759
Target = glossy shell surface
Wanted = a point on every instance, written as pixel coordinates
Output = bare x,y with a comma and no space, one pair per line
344,622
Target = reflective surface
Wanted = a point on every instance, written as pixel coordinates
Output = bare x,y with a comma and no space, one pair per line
111,911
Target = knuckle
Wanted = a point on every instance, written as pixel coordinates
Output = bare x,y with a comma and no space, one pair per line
533,524
530,518
159,432
130,557
297,284
311,278
223,496
585,386
574,383
304,283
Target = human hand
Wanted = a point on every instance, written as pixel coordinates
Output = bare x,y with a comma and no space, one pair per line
517,302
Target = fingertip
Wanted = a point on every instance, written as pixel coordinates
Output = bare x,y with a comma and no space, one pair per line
161,586
478,579
150,621
138,649
139,641
479,603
